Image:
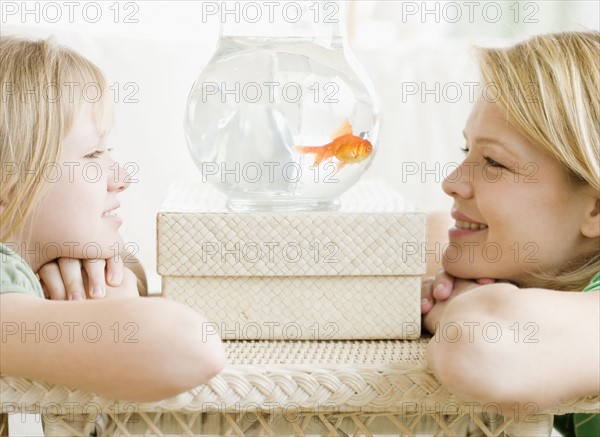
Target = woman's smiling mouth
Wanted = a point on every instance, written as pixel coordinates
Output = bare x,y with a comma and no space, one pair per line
464,225
460,224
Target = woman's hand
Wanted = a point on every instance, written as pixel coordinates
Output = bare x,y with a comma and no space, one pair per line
437,291
75,279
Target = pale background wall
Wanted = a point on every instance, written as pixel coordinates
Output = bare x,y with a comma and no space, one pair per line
165,50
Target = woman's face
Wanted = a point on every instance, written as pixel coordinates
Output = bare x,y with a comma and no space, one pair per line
76,217
515,208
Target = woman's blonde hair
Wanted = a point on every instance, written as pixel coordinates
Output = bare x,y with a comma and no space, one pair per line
43,88
550,88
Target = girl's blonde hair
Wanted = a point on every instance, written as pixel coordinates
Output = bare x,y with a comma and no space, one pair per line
43,87
550,88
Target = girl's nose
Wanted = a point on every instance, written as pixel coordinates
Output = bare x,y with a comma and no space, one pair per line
459,183
119,178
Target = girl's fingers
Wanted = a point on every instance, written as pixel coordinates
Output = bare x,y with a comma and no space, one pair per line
443,285
70,271
114,271
52,283
45,290
427,301
95,277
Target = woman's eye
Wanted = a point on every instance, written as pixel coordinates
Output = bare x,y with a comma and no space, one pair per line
465,149
490,162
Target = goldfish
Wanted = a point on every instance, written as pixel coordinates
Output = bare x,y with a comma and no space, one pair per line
346,147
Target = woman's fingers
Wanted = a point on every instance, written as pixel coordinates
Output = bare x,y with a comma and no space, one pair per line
52,283
70,271
114,271
95,277
443,285
426,295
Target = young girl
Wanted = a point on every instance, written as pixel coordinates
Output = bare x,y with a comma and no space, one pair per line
527,218
58,200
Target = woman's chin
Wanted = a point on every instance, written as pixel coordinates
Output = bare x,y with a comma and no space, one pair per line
453,269
465,270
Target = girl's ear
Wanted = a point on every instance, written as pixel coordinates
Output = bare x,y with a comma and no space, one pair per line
590,226
4,201
3,204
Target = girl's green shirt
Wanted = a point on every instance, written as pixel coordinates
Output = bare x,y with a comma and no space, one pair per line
16,276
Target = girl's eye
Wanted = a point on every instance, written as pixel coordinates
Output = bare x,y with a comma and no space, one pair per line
490,162
465,149
96,154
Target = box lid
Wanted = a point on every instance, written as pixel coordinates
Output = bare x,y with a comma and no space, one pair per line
375,232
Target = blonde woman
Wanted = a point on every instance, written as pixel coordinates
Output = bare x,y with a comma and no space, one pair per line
58,200
527,218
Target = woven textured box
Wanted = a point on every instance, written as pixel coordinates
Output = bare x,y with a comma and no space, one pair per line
349,274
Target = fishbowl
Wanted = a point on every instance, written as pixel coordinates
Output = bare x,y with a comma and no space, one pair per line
283,117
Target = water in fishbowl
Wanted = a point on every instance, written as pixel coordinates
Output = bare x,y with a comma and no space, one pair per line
282,123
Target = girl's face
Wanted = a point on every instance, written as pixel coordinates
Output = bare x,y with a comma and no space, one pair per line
515,208
77,216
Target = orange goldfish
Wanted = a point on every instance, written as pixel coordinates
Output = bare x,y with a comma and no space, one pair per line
347,148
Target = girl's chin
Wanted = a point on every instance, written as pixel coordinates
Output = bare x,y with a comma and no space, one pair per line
116,247
103,248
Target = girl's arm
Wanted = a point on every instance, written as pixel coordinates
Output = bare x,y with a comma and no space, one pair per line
130,349
519,346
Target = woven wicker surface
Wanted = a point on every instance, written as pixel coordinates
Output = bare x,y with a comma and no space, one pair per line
405,354
290,388
349,376
303,424
195,239
304,308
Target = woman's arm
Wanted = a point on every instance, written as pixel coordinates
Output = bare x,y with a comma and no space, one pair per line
519,345
130,349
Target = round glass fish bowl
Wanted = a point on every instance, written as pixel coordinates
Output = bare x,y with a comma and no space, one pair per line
283,117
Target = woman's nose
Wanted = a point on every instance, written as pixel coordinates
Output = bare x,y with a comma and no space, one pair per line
459,183
119,178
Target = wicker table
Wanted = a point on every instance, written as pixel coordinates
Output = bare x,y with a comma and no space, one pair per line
335,388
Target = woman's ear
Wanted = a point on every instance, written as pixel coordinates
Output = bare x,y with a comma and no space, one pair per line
590,226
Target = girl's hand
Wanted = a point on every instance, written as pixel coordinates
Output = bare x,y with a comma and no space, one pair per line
129,286
436,292
74,279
